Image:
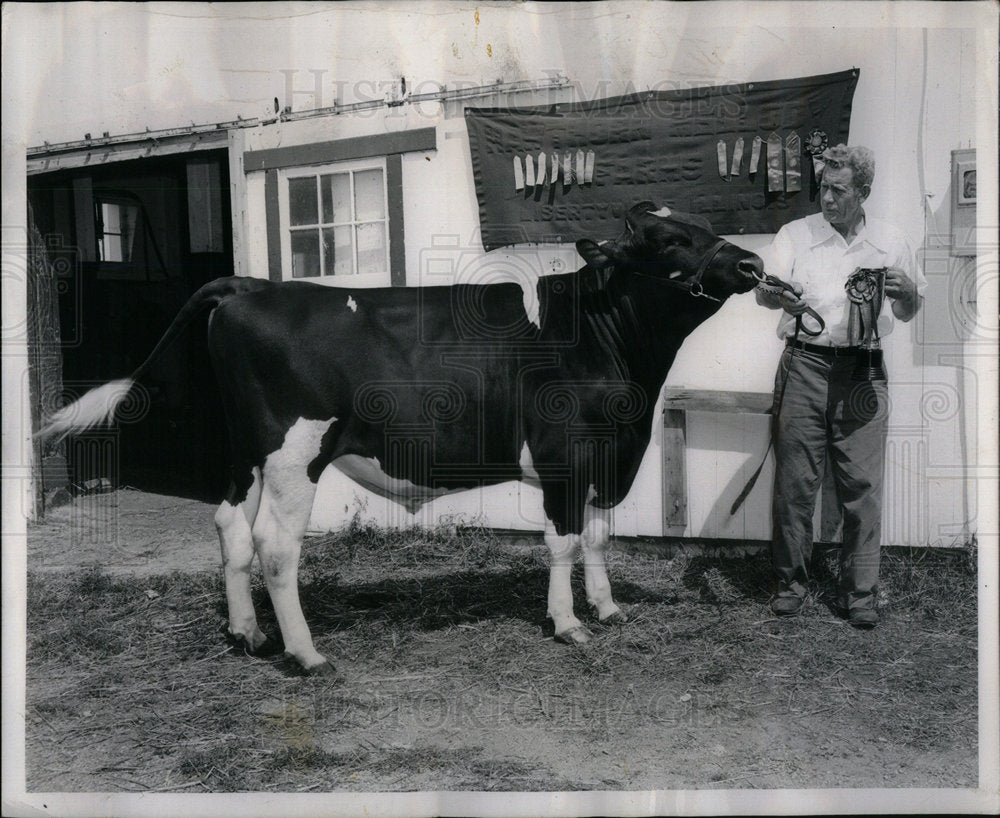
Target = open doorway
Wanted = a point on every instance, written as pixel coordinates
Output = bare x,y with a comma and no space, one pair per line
127,244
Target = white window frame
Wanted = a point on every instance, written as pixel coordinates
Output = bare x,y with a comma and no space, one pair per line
379,279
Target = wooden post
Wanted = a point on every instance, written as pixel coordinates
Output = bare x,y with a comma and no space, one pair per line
238,202
45,369
674,473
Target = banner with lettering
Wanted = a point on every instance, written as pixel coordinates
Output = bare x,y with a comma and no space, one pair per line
746,157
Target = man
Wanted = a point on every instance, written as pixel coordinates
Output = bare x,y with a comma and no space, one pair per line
823,412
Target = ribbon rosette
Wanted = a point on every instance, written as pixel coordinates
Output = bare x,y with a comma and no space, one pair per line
816,143
862,285
864,289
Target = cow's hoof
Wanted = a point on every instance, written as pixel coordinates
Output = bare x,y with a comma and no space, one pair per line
577,635
324,670
269,647
265,646
615,618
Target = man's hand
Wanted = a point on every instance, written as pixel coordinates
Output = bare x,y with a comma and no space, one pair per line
774,298
793,304
899,285
903,291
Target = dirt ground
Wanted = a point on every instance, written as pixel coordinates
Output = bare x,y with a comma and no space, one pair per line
450,678
126,531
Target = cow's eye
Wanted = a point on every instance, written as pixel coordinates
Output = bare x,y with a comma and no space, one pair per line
676,241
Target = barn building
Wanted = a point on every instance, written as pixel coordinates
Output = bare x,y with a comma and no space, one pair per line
134,220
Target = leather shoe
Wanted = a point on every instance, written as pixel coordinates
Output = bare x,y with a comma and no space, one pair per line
864,618
786,604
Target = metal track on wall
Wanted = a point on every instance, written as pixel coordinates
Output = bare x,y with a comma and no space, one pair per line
90,150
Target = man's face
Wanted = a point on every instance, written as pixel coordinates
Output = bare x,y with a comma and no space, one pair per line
840,199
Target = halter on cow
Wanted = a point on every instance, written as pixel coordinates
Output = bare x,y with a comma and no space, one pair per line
312,376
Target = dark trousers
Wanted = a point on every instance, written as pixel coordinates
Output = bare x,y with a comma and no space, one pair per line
826,414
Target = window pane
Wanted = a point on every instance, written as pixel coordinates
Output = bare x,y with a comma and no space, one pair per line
110,215
336,189
338,252
129,219
118,229
369,195
305,253
302,201
371,248
112,246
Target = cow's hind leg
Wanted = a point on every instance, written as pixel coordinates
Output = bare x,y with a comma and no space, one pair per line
233,522
286,501
594,541
562,551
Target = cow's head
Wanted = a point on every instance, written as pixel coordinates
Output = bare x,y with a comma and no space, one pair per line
679,250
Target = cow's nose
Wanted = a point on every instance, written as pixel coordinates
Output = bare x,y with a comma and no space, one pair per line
752,266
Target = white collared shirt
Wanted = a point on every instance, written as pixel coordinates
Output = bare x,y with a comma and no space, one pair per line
810,252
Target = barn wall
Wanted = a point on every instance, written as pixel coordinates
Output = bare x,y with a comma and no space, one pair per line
914,104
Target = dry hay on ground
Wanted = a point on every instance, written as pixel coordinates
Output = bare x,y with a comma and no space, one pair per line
451,680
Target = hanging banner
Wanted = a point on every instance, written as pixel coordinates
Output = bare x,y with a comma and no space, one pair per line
667,147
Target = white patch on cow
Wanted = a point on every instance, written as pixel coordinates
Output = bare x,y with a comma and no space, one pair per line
531,308
286,467
285,474
367,472
352,305
528,474
663,212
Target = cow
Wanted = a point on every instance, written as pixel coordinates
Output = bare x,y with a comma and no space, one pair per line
417,392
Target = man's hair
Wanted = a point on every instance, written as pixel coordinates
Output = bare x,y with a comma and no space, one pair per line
859,159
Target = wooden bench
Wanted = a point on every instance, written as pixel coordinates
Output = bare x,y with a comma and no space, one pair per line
677,402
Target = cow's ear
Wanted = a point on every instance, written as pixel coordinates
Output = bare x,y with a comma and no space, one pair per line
594,254
642,207
702,222
637,215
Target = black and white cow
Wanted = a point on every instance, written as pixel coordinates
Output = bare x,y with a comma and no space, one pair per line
416,392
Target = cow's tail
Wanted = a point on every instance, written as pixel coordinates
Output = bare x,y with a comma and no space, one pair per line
97,407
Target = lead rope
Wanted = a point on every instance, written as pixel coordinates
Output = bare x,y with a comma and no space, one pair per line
774,424
774,281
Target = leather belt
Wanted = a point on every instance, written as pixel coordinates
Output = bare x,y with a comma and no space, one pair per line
825,351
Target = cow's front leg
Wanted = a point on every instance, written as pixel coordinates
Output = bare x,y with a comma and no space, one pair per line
562,551
594,541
